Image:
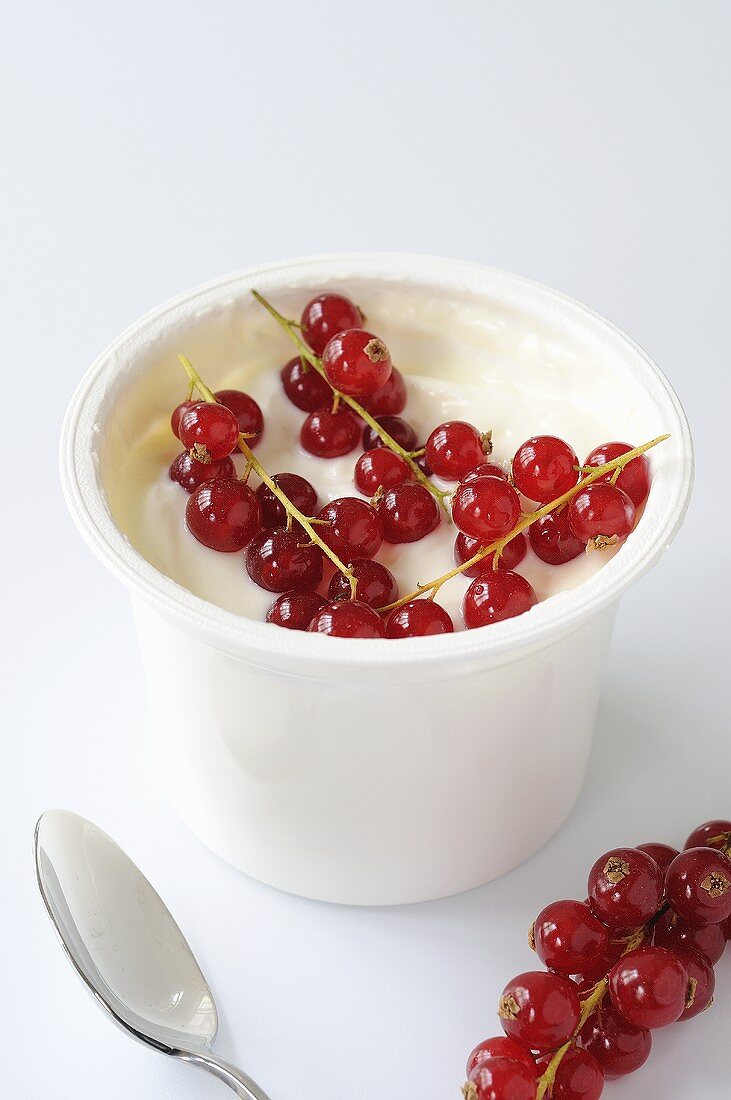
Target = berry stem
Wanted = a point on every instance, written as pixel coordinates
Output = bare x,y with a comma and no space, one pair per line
290,327
252,463
525,521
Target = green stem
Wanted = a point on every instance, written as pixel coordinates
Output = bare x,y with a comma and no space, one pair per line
526,521
253,463
307,353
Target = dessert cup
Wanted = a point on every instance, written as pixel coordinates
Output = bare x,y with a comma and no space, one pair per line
370,772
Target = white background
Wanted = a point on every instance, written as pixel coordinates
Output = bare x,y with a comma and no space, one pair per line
148,147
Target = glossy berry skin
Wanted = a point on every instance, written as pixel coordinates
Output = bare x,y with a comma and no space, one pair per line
380,469
594,972
698,886
634,479
552,539
618,1046
544,468
673,932
375,584
502,1079
466,548
356,362
625,888
399,430
600,512
304,387
663,854
495,596
578,1076
648,987
223,514
280,561
297,489
408,513
329,434
418,619
177,415
351,528
325,316
539,1010
390,398
295,610
347,619
710,830
190,473
247,412
209,431
701,982
568,938
501,1046
486,508
484,469
454,448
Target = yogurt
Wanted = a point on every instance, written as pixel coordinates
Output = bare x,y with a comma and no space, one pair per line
460,361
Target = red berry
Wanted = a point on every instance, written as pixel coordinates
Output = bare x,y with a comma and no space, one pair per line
495,596
618,1046
348,619
454,448
486,508
407,513
356,362
190,473
500,1046
485,469
649,987
545,468
634,479
177,415
209,431
329,434
502,1079
351,528
600,513
552,539
625,888
247,412
295,610
389,399
604,963
663,854
280,562
578,1076
223,514
718,831
698,886
375,585
539,1010
672,932
568,938
297,490
326,315
701,981
304,387
466,548
417,619
399,430
380,469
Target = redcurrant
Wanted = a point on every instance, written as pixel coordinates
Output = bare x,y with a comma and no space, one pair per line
545,468
486,508
701,981
501,1046
618,1046
495,596
329,434
348,619
568,938
466,548
279,561
454,448
209,431
698,886
190,473
501,1079
351,528
326,315
663,854
380,469
634,480
247,412
389,399
552,539
177,415
711,834
295,610
625,888
223,514
356,362
417,619
649,987
672,931
375,584
304,387
578,1076
601,514
540,1010
399,430
408,513
484,469
298,491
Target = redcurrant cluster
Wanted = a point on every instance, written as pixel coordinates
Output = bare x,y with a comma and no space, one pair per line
637,955
345,381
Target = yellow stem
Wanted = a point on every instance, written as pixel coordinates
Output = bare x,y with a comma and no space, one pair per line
253,462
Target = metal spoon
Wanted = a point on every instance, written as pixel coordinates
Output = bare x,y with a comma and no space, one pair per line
126,946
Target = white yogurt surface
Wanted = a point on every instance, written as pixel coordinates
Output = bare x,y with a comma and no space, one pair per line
460,361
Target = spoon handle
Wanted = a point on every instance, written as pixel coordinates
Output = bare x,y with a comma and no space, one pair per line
238,1081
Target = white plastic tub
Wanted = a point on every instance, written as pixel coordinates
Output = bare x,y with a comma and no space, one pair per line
368,772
